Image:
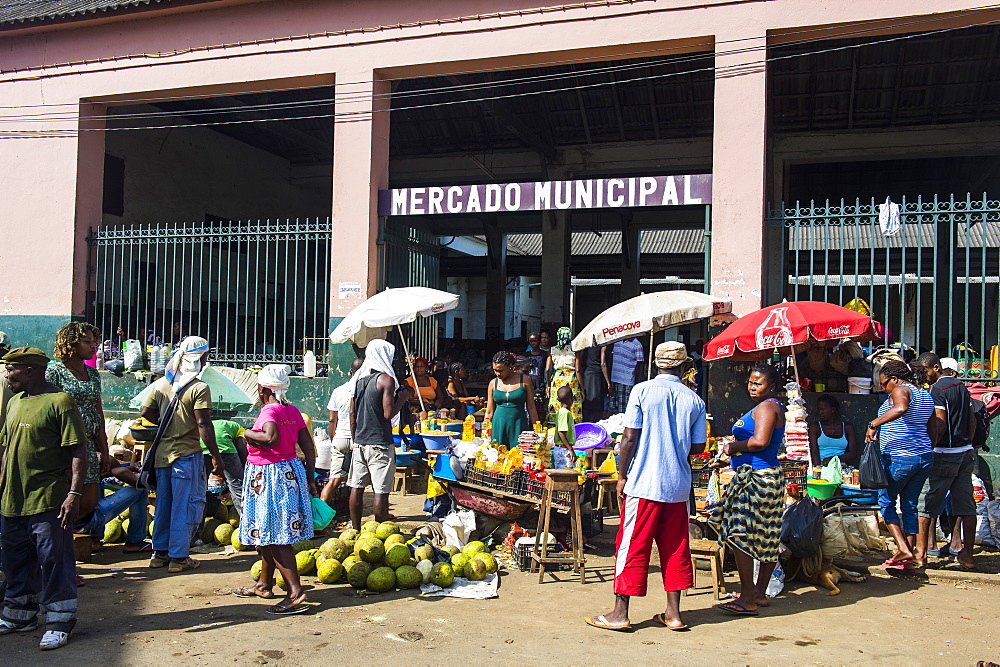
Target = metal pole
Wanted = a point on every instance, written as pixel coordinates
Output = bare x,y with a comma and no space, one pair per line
409,363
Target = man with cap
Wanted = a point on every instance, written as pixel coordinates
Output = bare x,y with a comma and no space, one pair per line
44,465
954,459
664,425
181,482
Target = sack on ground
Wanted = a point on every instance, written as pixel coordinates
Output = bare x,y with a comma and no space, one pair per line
850,535
802,528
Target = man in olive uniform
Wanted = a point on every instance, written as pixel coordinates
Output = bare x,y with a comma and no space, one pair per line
43,469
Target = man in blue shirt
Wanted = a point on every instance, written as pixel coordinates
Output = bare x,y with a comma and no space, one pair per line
625,356
664,425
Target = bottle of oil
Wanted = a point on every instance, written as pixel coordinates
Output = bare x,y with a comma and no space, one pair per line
469,427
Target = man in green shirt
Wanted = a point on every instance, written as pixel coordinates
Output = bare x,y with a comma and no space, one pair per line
43,469
233,448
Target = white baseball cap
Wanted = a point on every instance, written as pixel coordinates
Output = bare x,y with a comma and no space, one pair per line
949,362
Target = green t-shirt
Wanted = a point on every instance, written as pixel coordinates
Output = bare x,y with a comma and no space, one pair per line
225,433
565,424
38,434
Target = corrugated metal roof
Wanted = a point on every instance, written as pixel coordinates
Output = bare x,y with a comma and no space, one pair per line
652,242
21,11
913,236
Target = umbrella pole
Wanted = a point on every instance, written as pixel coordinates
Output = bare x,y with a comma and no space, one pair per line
409,362
649,366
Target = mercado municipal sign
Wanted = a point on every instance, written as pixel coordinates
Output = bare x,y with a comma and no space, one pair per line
547,195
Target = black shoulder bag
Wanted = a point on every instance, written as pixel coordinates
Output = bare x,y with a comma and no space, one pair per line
147,471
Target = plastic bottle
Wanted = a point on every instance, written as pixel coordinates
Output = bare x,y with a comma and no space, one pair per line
100,358
309,364
487,430
469,427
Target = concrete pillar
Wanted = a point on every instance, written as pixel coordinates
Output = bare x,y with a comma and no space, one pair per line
496,280
360,170
631,271
738,167
556,239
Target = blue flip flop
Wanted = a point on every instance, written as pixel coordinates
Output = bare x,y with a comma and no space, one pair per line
736,609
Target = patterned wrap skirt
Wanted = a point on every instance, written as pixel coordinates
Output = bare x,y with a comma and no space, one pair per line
277,507
562,377
748,517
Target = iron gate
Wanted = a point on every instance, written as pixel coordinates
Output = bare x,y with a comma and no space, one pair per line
411,257
934,282
258,291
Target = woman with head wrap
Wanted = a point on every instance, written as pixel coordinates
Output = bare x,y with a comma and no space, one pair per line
181,482
277,508
507,399
564,365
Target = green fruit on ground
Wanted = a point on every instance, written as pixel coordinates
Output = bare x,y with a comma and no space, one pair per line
382,579
208,530
397,556
357,575
222,513
425,567
385,529
349,537
443,575
395,538
408,577
349,562
224,534
125,526
334,548
239,546
302,545
450,550
369,527
489,561
255,570
234,517
329,570
149,529
475,570
473,548
424,552
280,580
305,561
369,549
459,561
113,531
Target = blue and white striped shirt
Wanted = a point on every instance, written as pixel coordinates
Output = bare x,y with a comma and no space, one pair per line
907,436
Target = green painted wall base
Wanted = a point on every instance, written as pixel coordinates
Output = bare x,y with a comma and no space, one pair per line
341,356
34,330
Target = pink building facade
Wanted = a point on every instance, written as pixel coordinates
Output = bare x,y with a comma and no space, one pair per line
59,77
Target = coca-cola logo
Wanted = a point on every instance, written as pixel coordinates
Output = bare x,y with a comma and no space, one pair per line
725,349
775,330
620,328
839,331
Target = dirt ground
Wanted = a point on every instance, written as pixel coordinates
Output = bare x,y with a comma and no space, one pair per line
130,614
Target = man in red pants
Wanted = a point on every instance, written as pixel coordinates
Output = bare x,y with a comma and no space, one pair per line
664,424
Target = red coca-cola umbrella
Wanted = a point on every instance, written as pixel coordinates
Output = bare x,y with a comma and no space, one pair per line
755,336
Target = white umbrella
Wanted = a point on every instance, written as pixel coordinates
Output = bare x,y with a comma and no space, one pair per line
374,317
647,314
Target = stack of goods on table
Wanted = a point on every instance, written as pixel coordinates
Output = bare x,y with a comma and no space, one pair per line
796,430
493,467
381,558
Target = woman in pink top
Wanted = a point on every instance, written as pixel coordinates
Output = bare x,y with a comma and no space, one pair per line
277,508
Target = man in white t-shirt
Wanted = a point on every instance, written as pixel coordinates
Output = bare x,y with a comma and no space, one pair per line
340,435
664,425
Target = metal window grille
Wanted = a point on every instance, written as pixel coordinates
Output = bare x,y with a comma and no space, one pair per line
411,257
258,291
934,284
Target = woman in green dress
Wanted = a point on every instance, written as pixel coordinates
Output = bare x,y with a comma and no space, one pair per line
507,404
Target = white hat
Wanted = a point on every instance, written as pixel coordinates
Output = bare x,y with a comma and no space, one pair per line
949,362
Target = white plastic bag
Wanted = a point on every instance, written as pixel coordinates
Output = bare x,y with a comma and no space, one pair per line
135,355
776,583
458,527
984,534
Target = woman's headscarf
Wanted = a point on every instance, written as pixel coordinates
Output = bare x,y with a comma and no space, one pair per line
185,364
378,357
564,336
275,378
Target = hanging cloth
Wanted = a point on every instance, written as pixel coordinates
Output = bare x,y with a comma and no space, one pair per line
888,218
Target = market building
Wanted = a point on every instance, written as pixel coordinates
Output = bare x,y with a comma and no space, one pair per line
252,170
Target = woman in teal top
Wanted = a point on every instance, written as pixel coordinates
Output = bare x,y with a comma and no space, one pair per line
507,404
830,435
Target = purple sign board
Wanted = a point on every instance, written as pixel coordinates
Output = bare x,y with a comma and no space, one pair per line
548,195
